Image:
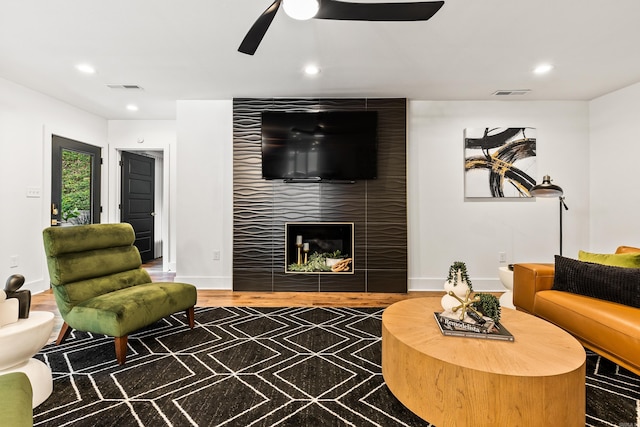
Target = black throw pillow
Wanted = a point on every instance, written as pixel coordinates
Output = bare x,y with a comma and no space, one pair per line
615,284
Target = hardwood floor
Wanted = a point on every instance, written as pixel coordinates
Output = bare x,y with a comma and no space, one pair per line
212,298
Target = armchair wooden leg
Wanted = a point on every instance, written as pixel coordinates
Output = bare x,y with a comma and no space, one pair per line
121,349
191,317
65,330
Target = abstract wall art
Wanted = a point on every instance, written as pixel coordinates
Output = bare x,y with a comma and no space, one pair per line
499,162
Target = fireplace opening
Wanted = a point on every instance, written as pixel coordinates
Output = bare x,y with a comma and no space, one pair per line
322,247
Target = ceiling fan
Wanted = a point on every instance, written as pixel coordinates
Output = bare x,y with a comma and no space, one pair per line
338,10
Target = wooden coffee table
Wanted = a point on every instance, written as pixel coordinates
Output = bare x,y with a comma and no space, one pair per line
537,380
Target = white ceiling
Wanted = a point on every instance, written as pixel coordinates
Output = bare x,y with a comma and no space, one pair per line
187,49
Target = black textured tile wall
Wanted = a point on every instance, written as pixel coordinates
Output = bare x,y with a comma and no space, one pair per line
376,207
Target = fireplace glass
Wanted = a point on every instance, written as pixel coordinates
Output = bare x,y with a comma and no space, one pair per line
321,247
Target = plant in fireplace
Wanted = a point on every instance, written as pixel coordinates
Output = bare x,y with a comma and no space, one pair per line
319,247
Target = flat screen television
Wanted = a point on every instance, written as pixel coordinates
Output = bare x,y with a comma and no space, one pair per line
319,146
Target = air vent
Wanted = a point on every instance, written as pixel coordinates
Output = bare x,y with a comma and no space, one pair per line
128,87
511,92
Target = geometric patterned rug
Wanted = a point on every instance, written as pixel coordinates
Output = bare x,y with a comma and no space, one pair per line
242,366
613,394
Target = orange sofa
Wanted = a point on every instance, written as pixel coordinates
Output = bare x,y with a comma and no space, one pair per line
607,328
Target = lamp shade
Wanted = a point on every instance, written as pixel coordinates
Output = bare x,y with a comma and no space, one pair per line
546,189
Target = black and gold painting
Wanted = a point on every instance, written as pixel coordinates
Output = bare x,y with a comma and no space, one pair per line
499,162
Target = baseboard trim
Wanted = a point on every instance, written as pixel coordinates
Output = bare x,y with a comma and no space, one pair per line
437,284
224,283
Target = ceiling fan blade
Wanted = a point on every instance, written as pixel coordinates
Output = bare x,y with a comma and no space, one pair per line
259,28
417,11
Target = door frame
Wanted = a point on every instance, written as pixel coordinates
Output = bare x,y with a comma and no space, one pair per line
59,143
134,207
162,218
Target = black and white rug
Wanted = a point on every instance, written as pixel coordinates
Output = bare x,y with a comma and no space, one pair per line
243,366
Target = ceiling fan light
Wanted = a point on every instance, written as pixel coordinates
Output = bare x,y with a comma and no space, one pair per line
86,68
301,9
311,70
543,69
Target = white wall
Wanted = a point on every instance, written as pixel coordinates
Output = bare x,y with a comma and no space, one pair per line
578,145
204,193
145,136
27,121
444,228
615,161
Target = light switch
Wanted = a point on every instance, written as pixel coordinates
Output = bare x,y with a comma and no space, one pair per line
33,192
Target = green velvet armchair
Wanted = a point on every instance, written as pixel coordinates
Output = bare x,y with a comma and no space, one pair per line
100,286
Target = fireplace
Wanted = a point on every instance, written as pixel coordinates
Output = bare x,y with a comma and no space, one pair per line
377,208
320,247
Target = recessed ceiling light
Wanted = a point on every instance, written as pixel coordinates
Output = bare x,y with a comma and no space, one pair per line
311,70
132,107
543,68
86,68
301,9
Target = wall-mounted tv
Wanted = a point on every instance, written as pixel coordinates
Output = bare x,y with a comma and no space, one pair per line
319,146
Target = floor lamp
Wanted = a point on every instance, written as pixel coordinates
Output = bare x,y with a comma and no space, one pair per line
547,189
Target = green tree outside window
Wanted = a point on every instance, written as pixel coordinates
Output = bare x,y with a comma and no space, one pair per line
76,185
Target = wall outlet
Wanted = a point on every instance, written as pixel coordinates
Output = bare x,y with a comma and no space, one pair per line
216,255
502,256
13,261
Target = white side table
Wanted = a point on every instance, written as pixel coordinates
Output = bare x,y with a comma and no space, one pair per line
19,342
506,277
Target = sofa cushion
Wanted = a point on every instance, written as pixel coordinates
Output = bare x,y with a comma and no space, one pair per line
619,260
616,284
69,295
65,240
73,267
123,311
608,328
627,250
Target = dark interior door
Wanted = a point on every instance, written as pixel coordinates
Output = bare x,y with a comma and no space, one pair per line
137,203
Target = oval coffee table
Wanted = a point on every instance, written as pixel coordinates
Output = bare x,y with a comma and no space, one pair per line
537,380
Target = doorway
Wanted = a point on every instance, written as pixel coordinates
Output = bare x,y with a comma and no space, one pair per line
137,204
75,182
